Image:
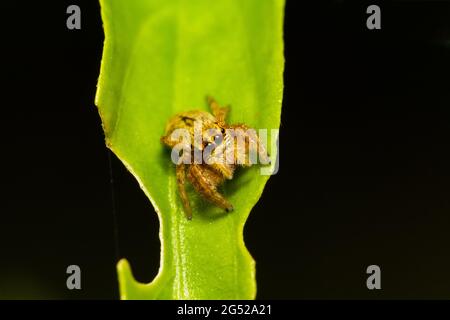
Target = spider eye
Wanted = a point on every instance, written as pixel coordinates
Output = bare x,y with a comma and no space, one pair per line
222,130
218,139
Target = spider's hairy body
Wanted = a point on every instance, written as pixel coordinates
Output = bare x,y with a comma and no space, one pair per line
186,120
207,177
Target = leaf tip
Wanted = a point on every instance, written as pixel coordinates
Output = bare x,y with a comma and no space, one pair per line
125,277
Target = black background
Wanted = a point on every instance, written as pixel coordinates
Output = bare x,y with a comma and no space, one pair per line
364,168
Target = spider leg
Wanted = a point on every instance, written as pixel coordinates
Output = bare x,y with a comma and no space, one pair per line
165,139
181,178
220,113
252,144
261,149
205,182
225,170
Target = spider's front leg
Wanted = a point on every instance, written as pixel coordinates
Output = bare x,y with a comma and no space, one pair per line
252,145
181,179
220,113
205,182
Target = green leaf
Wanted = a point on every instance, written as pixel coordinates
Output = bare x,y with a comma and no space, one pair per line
162,57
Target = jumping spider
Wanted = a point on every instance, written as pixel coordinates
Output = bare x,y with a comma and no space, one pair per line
206,176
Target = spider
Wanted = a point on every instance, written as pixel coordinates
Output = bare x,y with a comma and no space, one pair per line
218,144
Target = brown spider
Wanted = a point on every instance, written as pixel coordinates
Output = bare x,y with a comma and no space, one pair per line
222,147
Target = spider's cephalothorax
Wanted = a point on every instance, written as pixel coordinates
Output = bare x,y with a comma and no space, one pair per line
219,147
